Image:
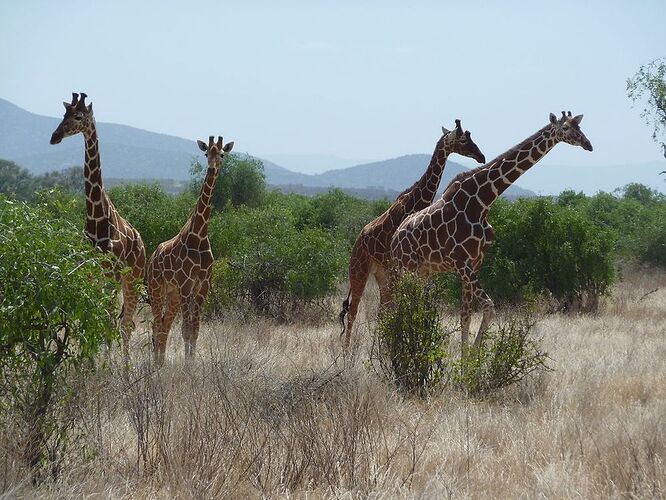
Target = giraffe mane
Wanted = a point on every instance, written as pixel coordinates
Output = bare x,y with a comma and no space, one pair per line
469,173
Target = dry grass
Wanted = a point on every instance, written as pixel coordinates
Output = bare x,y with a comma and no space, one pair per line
269,410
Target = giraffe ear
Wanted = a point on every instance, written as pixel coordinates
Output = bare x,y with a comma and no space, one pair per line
578,119
89,108
202,146
228,147
553,118
66,104
445,131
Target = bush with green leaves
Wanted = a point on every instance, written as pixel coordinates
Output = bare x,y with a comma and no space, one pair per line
410,342
241,181
508,353
543,248
412,345
57,308
155,214
266,263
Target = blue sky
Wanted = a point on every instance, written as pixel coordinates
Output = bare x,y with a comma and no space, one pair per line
359,80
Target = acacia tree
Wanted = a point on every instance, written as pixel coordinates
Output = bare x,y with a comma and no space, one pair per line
648,86
57,308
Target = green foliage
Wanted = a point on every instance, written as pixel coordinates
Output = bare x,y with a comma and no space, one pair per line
156,215
18,183
15,182
410,342
241,181
412,345
508,353
266,263
57,308
648,86
546,248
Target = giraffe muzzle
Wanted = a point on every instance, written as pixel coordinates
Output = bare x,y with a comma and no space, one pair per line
56,137
587,146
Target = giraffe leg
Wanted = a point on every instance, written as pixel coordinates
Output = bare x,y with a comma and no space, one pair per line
157,300
488,314
358,277
195,316
130,300
385,287
467,277
160,340
188,325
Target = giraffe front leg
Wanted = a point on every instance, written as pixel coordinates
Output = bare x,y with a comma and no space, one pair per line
162,333
488,314
130,300
466,310
195,315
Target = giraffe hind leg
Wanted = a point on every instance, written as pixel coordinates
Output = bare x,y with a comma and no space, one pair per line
358,277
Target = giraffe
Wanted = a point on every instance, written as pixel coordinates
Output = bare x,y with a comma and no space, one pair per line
453,234
371,251
178,272
104,227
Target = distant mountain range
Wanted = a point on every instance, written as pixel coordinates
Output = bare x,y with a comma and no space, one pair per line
132,153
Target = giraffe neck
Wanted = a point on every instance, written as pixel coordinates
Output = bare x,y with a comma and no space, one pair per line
96,205
506,168
424,190
198,222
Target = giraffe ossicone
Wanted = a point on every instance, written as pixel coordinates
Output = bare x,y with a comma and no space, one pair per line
178,273
371,252
104,226
453,234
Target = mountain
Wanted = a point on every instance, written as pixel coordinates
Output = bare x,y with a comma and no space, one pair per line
311,163
131,153
395,174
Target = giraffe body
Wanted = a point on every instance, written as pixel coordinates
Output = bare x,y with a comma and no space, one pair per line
453,234
104,226
179,271
371,252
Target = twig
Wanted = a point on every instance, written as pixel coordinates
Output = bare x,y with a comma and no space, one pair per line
649,293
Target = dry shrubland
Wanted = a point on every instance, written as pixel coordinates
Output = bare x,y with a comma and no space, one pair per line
273,410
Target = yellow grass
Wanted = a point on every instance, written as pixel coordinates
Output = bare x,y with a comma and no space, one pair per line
269,410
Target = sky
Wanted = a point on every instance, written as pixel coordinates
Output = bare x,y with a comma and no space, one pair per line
359,80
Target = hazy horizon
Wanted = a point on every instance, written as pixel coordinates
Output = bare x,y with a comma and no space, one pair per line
344,80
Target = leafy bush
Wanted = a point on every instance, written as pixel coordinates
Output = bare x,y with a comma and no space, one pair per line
266,263
241,181
156,215
508,353
544,248
57,308
412,345
410,342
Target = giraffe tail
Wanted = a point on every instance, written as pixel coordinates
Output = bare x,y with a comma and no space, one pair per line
343,313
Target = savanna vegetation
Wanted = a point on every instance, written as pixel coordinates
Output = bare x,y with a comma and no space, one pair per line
270,406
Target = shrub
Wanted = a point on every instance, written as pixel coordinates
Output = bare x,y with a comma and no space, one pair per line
265,263
57,308
155,214
508,353
241,181
411,346
410,342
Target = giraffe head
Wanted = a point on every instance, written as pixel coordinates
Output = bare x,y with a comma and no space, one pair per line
78,118
460,141
215,151
567,129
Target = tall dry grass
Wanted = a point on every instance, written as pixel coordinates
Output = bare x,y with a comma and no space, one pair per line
270,410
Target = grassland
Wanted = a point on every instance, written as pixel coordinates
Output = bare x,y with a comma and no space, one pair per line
272,410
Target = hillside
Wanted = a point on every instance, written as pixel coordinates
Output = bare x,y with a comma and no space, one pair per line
132,153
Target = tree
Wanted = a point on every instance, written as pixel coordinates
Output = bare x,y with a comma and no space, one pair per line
57,308
68,179
241,181
648,86
15,181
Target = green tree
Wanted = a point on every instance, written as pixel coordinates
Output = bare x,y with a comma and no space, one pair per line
57,308
15,181
68,179
241,181
648,86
